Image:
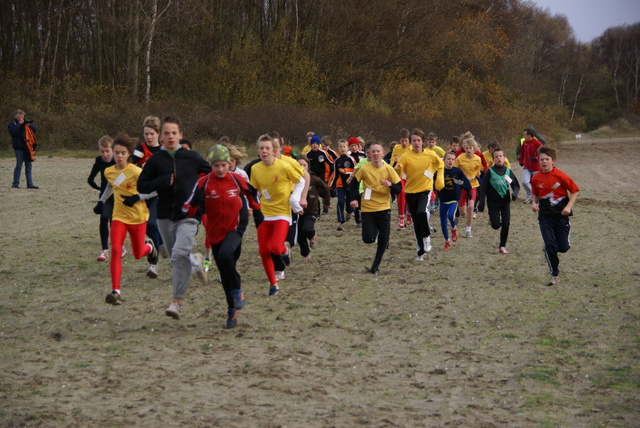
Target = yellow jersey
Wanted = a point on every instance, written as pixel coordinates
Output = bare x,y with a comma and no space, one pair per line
123,182
470,167
419,169
274,184
375,195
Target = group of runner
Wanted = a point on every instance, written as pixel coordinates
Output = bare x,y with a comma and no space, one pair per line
159,190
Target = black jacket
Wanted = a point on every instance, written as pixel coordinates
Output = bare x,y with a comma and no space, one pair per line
186,166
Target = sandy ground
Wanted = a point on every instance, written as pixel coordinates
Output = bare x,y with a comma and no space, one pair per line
468,337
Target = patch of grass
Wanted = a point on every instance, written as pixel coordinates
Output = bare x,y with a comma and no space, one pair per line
622,379
540,372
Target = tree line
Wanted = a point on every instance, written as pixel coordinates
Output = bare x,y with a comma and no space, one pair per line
487,65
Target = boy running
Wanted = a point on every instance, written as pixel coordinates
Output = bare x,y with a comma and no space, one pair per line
554,194
173,172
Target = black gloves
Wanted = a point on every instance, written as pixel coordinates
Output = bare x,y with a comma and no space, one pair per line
98,208
258,217
131,200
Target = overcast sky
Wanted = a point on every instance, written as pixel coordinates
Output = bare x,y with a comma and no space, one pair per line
590,18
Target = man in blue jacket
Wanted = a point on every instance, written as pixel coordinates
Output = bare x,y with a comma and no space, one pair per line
17,131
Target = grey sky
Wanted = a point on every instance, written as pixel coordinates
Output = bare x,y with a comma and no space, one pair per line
590,18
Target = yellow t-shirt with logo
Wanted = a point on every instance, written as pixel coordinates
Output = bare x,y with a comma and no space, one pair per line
375,196
123,182
419,169
275,183
470,167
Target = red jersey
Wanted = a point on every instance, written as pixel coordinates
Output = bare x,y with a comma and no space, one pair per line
529,154
552,189
226,201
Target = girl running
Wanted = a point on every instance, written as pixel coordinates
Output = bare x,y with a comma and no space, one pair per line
495,189
454,181
129,214
471,165
280,187
379,179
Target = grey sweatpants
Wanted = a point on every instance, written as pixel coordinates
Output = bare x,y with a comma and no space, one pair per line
179,237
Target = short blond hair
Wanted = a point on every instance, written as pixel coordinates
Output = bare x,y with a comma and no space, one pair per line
105,141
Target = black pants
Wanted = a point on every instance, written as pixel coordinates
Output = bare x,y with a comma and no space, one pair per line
376,224
500,216
105,221
556,233
306,232
418,205
226,254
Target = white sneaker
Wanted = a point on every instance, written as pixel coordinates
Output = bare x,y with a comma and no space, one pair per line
173,310
201,274
124,252
468,234
152,271
420,258
427,244
279,275
104,256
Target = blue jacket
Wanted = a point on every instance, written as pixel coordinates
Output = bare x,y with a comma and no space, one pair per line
17,133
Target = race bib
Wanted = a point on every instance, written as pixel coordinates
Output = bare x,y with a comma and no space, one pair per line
120,179
508,179
367,193
266,195
428,174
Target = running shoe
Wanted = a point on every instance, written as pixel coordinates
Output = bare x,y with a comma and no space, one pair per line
206,264
153,254
503,250
286,257
427,244
553,280
339,228
409,220
454,234
113,298
280,275
104,256
232,318
420,258
313,241
468,234
173,310
200,273
273,290
238,298
447,246
152,271
401,223
124,252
